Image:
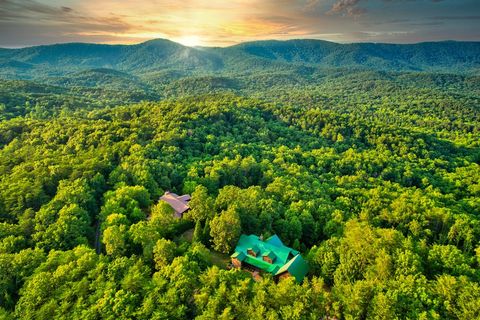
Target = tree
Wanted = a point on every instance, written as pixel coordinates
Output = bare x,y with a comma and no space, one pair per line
201,204
127,200
115,239
448,259
198,232
163,253
71,229
225,230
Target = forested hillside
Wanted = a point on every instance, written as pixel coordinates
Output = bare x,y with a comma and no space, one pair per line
252,57
371,170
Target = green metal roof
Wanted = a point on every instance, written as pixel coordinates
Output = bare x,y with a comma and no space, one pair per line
273,247
259,263
239,255
275,240
297,267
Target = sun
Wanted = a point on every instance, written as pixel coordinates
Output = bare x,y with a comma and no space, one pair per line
190,41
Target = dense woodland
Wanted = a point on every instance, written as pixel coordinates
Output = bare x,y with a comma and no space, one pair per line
374,175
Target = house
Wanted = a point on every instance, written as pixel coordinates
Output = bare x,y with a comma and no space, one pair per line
256,255
178,203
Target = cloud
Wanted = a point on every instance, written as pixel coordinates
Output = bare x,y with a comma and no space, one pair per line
60,20
25,8
350,7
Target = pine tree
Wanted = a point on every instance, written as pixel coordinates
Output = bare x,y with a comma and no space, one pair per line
206,233
198,232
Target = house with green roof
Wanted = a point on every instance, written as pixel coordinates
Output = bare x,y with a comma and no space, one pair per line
271,255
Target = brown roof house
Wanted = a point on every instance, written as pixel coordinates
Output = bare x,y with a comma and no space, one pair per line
178,203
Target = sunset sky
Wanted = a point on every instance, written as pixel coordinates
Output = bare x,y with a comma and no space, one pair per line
222,23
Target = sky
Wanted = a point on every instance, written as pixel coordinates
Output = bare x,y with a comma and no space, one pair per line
227,22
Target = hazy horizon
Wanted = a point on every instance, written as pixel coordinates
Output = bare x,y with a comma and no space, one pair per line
226,46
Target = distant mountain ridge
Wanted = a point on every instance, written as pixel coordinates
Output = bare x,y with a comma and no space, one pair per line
163,55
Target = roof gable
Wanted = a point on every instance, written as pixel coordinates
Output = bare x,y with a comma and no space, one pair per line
297,267
238,255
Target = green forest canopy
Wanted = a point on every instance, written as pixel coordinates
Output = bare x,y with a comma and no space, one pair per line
373,175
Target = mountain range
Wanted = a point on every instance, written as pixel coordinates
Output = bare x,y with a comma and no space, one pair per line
167,57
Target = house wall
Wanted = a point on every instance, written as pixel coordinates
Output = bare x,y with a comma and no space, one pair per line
236,263
250,252
178,215
284,275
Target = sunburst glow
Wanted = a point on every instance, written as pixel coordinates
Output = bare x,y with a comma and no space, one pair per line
189,41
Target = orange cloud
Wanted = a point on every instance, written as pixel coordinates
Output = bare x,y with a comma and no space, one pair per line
212,22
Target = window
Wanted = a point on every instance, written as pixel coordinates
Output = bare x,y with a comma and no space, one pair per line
267,259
